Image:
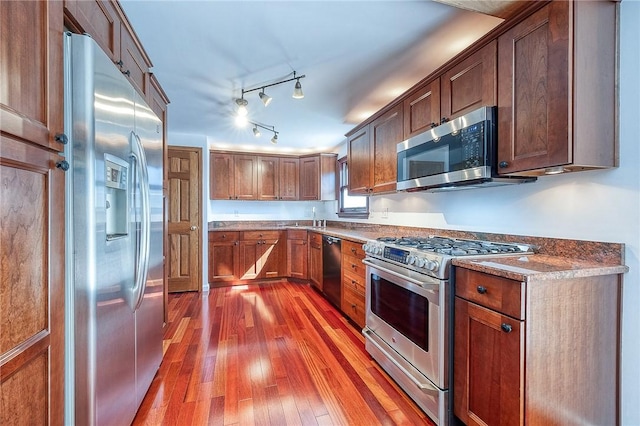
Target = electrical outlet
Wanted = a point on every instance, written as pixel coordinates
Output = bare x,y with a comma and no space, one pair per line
385,213
235,213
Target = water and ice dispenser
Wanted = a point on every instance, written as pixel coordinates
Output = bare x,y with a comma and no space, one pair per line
116,194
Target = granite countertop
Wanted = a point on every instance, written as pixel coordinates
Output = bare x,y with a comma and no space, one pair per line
538,267
552,260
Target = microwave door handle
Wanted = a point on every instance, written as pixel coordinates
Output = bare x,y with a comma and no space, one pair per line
404,277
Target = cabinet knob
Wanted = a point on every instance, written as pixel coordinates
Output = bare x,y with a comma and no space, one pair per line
353,249
353,265
224,236
443,120
481,289
353,306
119,63
503,164
62,138
432,125
127,73
63,165
506,328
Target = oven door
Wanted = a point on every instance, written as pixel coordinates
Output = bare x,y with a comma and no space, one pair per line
407,311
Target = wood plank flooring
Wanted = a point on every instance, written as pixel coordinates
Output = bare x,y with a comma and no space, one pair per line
270,354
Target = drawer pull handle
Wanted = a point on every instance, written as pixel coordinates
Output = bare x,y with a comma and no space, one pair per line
482,289
353,250
506,328
353,265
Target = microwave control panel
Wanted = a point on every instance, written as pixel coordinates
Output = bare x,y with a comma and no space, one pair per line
472,144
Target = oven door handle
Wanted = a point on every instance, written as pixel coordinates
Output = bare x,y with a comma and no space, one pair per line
371,337
395,274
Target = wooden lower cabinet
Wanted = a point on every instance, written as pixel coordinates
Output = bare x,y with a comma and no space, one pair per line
297,248
262,255
353,282
224,253
537,351
315,259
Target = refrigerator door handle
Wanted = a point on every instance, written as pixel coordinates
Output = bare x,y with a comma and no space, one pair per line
142,264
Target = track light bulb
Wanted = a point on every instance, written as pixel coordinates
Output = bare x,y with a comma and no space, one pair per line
241,120
242,107
256,131
297,90
274,139
266,99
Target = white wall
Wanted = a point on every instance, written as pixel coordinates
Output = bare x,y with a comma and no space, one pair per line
595,205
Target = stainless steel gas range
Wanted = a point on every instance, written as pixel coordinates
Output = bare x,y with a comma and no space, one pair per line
409,307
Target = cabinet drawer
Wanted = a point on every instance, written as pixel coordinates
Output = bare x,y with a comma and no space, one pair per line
353,305
222,236
352,249
354,281
497,293
260,235
315,239
297,234
353,265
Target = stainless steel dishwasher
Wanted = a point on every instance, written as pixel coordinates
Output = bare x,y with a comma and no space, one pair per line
331,264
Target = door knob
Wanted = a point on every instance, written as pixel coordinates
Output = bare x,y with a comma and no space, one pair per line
193,227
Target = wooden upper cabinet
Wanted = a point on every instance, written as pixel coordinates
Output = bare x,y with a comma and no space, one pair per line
158,101
107,24
32,211
372,153
268,178
221,176
289,175
422,109
100,20
245,177
469,84
557,89
359,160
318,177
277,178
386,132
31,68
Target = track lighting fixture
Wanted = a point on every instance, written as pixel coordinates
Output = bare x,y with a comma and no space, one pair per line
266,99
242,106
257,134
297,91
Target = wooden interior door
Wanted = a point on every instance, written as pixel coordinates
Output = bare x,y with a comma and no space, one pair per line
185,235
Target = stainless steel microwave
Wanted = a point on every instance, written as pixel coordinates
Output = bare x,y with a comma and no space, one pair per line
458,154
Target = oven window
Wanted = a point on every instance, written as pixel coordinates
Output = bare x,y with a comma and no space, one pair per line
405,311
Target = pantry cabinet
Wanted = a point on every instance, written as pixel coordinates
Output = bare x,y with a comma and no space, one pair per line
32,211
563,332
372,154
557,89
353,282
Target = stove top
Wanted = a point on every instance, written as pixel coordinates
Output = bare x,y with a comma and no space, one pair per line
432,254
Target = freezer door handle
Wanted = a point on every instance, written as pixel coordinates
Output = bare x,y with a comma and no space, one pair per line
142,263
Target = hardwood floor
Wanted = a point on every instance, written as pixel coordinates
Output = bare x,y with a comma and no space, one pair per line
271,354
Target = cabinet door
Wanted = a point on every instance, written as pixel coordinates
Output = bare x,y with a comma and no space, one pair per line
315,260
422,109
470,84
533,91
360,160
221,176
223,259
297,259
32,210
246,177
289,176
134,62
488,366
249,255
309,178
272,262
386,133
100,20
268,178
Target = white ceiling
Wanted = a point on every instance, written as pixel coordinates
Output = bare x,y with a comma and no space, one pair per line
357,57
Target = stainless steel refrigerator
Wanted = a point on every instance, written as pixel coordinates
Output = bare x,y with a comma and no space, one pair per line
114,313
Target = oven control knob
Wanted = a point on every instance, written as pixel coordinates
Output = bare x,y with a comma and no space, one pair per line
432,265
366,248
411,260
377,250
420,262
